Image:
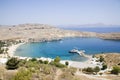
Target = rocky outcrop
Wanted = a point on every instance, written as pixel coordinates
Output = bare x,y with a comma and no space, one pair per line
42,32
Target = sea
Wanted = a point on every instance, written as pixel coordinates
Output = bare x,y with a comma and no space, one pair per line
98,29
61,48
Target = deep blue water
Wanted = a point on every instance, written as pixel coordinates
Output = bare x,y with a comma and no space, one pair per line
61,48
95,29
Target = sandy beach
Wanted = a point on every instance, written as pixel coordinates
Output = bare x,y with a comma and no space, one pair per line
13,48
91,62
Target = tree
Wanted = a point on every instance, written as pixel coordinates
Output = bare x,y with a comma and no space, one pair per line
96,69
104,67
66,63
101,59
12,63
57,59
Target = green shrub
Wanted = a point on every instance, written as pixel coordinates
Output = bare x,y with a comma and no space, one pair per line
30,64
12,63
66,63
57,64
89,69
115,70
23,74
96,69
101,59
57,59
22,62
60,65
33,59
46,62
104,67
40,61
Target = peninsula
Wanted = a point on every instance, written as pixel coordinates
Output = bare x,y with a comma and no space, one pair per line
43,32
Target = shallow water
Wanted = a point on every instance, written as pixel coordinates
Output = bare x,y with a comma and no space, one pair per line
61,48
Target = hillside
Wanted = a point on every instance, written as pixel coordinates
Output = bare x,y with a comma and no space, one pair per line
111,59
42,32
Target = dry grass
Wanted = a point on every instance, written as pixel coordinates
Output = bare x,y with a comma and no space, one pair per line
6,74
111,59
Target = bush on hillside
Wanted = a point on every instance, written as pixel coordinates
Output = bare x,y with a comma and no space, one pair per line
57,59
40,61
33,59
46,62
91,70
96,69
60,65
115,70
32,64
57,64
101,59
66,63
104,67
12,63
23,74
22,62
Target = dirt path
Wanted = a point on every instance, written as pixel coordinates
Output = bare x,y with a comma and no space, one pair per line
58,73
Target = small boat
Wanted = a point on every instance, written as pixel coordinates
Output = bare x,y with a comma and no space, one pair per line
80,52
73,51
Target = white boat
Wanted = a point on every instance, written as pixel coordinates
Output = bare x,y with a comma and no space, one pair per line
81,52
73,51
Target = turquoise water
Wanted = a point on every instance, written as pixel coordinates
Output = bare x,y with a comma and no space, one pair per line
61,48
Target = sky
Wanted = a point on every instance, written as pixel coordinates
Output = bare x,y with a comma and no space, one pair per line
59,12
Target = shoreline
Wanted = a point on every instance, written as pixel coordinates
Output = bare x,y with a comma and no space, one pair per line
88,63
13,48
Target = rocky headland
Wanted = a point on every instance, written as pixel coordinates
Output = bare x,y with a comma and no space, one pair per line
43,32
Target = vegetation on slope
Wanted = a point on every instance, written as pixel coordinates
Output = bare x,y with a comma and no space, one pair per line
38,69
